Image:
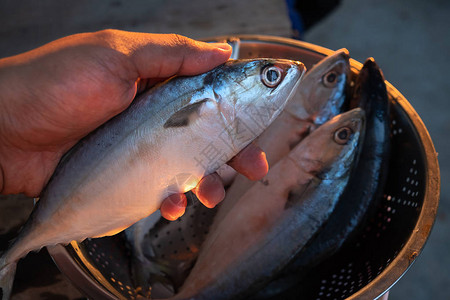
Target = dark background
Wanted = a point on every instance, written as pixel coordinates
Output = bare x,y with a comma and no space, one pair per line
410,40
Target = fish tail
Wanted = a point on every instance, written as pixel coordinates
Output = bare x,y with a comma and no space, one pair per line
7,272
140,275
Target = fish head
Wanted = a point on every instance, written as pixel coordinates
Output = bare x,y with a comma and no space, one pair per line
369,86
250,94
329,151
321,93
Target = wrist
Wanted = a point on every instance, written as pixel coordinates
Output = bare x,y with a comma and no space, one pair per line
17,159
6,65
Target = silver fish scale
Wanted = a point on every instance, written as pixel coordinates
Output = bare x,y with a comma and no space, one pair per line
174,246
372,261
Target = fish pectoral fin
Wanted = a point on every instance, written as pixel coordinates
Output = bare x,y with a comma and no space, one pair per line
183,117
295,195
300,192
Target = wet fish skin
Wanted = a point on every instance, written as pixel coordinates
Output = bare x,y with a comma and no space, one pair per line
289,131
313,103
121,172
366,184
323,89
275,218
370,174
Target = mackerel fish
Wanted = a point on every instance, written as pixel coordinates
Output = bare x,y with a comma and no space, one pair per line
121,172
320,95
364,191
277,216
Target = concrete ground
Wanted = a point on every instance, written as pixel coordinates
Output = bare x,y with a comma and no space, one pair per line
410,40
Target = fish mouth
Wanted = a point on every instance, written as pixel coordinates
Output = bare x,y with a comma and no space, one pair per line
340,56
302,71
320,100
333,106
298,67
344,53
255,116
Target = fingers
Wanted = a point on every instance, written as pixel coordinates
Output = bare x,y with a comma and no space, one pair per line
210,190
173,206
227,174
250,162
165,55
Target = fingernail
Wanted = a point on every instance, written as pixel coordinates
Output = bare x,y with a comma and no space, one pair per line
260,167
222,46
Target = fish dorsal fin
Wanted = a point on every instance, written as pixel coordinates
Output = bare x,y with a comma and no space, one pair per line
182,117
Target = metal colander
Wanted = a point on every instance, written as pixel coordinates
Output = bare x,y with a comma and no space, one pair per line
369,262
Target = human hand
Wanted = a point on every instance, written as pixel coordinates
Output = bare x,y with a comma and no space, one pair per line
53,96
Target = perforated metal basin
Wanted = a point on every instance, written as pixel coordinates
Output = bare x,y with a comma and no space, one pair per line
367,264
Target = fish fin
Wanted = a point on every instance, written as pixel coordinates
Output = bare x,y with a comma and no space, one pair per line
7,272
295,195
140,275
182,117
150,277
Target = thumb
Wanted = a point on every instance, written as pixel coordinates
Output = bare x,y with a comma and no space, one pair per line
165,55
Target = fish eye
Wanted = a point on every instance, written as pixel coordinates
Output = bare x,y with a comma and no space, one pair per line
271,76
330,79
343,135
